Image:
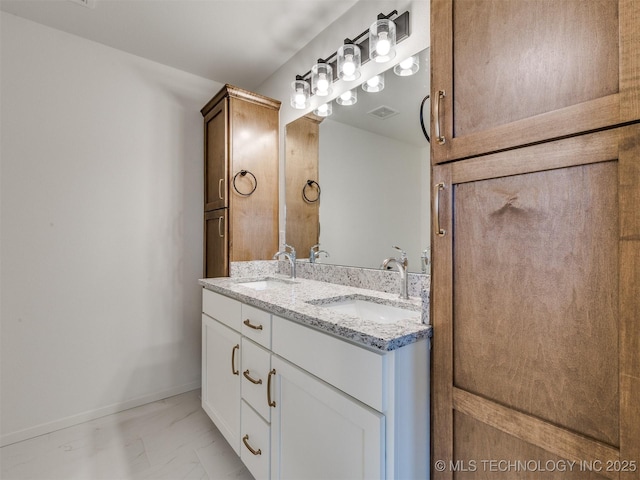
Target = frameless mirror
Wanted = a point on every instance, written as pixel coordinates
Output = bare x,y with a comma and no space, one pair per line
357,182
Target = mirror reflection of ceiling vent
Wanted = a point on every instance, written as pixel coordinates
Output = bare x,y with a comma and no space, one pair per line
383,112
85,3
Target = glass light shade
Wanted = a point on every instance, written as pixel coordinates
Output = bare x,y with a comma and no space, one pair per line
374,84
382,40
321,79
300,94
349,62
407,67
350,97
324,110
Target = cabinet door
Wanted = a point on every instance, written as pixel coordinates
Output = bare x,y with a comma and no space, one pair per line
536,289
216,245
513,73
221,378
317,432
216,157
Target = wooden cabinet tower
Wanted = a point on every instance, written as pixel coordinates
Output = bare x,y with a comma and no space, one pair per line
536,238
240,179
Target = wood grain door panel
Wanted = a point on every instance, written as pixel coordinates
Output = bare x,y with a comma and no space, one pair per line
215,155
536,305
535,301
520,72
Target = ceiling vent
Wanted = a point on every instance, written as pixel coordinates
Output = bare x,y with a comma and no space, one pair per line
383,112
85,3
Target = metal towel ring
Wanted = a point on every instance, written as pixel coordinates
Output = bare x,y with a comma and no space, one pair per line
243,173
310,183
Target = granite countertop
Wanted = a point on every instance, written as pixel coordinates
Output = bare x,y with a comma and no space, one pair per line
301,300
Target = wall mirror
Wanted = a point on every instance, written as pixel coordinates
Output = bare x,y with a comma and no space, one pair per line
357,181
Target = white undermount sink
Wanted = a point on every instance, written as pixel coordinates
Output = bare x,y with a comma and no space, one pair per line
265,283
371,310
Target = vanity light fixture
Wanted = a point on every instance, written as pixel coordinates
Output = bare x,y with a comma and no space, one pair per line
349,61
407,67
300,94
374,84
324,110
321,79
350,97
382,40
345,63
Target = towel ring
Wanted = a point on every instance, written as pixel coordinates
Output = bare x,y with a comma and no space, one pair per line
310,183
243,173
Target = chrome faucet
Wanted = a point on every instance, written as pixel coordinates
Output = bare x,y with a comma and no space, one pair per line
314,255
290,255
401,265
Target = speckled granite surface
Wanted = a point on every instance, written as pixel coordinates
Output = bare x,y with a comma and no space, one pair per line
302,300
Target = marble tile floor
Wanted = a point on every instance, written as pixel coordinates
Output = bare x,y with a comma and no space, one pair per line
169,439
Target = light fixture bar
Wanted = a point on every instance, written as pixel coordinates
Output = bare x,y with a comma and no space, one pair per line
403,30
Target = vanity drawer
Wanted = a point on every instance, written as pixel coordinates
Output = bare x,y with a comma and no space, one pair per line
255,450
223,309
256,363
256,324
350,368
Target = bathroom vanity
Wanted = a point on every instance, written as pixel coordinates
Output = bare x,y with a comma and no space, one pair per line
312,379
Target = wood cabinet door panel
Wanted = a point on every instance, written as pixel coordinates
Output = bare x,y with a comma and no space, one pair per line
216,245
517,73
537,295
535,300
215,155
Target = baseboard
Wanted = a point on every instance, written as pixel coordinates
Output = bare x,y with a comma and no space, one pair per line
72,420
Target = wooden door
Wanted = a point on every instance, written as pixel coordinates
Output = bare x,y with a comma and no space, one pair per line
303,218
221,365
514,73
254,194
536,294
215,156
216,247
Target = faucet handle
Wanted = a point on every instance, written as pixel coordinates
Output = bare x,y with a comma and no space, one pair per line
286,245
317,245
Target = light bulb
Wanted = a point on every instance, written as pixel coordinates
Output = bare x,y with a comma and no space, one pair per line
384,45
346,96
406,63
373,81
322,85
348,67
299,98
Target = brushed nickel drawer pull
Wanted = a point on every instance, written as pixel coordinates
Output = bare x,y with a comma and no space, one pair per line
436,209
233,360
248,323
271,403
436,114
245,440
220,228
252,380
220,189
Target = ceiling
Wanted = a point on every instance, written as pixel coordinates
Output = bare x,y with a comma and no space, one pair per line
242,42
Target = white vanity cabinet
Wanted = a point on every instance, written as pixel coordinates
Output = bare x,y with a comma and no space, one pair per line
309,404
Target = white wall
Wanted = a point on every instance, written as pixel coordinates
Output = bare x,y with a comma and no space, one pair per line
353,22
381,186
101,229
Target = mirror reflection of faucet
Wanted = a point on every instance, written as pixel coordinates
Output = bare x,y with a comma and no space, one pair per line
426,260
401,264
289,255
315,254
